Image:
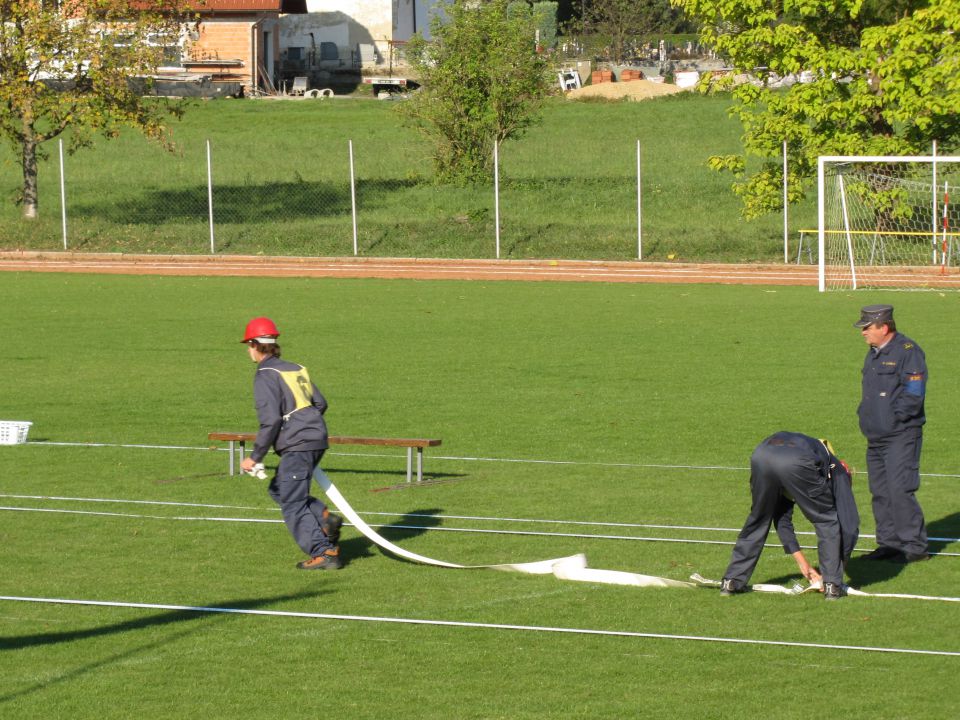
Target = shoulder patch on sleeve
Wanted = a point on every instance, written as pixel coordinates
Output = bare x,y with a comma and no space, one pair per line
915,386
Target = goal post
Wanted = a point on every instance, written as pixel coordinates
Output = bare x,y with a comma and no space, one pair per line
887,221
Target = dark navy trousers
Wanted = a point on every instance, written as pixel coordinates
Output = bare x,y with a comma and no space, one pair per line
783,473
302,513
894,467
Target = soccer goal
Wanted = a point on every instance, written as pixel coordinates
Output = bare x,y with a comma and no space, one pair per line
887,221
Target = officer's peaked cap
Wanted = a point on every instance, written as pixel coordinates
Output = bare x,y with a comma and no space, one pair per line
874,314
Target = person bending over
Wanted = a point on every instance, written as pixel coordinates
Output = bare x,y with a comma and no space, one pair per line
788,469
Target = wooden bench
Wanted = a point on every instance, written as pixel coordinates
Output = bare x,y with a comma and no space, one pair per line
238,444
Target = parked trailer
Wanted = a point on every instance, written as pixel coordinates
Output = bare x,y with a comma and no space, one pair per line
390,84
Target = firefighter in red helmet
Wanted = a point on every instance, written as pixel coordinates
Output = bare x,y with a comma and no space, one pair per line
290,409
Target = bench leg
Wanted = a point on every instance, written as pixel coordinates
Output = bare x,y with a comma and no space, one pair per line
242,451
419,464
231,457
409,464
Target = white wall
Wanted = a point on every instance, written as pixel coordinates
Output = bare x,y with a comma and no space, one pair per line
360,25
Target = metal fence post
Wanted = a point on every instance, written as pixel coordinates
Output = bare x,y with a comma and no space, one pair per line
786,236
63,194
496,193
639,210
353,198
934,185
210,195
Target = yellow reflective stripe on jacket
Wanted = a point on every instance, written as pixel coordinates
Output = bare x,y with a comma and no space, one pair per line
298,382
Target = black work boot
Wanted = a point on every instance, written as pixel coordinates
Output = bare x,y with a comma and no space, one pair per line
729,586
833,591
881,553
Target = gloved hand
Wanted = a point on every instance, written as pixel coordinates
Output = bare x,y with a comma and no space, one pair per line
257,471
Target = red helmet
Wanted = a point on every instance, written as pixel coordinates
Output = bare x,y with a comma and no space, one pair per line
260,327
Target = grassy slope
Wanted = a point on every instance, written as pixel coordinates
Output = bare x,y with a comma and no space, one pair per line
281,172
681,375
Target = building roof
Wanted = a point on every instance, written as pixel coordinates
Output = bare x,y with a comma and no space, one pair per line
248,6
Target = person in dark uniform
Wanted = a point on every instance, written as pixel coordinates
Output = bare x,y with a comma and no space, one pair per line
891,418
290,409
788,469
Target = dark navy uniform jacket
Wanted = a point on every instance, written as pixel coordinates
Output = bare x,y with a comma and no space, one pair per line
289,407
894,385
841,483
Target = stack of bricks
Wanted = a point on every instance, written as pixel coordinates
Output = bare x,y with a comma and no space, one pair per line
601,76
630,74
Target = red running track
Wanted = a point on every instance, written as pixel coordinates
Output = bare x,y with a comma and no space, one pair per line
434,269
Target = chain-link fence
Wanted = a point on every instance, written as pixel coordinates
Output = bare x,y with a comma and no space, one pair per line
269,196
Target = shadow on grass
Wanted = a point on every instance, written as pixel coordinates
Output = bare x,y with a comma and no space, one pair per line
239,204
428,478
175,618
281,200
410,525
945,528
399,473
867,572
159,619
864,573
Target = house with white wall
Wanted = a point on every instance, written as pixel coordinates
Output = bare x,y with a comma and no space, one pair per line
264,44
367,34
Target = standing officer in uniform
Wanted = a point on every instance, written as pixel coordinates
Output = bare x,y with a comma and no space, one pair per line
891,418
788,468
290,409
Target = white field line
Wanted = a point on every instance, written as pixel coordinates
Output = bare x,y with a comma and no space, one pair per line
479,518
391,526
455,458
620,464
132,502
476,625
529,533
392,455
424,528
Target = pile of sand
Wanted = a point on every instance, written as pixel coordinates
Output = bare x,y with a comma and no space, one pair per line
631,89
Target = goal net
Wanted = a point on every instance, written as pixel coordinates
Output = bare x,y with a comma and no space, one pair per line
887,221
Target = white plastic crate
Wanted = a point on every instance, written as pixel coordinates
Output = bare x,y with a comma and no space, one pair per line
14,432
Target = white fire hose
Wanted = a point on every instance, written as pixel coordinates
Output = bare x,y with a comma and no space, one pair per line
575,567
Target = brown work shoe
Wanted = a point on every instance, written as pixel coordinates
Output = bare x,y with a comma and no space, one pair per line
330,560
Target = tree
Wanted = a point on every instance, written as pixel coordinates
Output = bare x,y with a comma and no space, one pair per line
482,83
68,65
885,81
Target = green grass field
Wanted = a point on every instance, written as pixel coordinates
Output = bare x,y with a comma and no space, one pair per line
561,403
281,186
